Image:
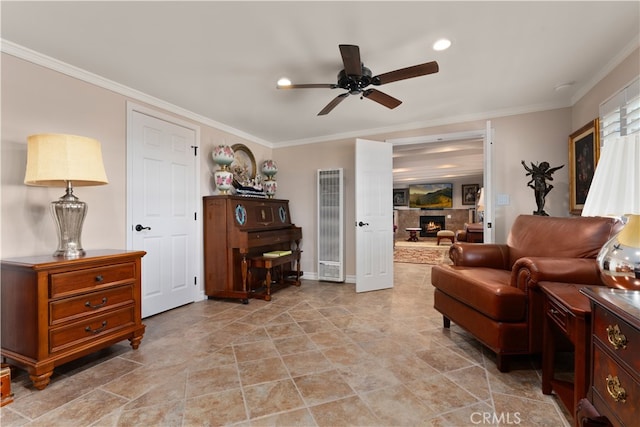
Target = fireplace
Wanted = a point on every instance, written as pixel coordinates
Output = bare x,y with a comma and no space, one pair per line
431,224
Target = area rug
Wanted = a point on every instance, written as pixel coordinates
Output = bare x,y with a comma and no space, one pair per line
422,255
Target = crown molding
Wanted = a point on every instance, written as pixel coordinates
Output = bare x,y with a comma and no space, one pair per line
617,60
53,64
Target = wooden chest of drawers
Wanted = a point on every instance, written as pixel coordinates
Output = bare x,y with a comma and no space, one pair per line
55,310
615,373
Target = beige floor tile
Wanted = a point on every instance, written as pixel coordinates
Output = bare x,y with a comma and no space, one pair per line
262,371
322,387
527,412
164,414
212,380
223,408
320,354
271,398
254,351
398,406
82,411
298,417
441,394
443,359
306,363
351,411
295,344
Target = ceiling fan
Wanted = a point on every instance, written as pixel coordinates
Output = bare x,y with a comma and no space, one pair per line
355,78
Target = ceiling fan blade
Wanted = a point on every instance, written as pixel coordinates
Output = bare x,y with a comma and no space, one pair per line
351,59
406,73
381,98
334,102
309,86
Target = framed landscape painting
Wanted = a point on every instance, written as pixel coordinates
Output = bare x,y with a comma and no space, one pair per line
431,196
584,151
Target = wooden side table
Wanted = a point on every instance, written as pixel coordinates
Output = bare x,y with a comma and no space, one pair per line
566,312
413,234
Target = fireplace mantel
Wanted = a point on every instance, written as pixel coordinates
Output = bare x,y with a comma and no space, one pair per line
454,219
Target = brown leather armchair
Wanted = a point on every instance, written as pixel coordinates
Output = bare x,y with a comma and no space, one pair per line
491,289
472,233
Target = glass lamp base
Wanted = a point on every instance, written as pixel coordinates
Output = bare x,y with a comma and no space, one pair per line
619,260
69,213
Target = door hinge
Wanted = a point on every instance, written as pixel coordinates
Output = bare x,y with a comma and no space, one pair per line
195,150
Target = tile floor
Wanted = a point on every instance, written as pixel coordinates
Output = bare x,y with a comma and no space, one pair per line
318,355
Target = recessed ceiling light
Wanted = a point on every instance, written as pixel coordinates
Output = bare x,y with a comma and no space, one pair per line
442,44
284,82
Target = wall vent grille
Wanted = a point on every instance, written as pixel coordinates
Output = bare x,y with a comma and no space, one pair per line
331,225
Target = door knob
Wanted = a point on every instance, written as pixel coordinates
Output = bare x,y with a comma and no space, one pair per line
139,227
362,224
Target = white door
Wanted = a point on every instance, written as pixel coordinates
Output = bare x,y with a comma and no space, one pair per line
374,215
161,177
489,230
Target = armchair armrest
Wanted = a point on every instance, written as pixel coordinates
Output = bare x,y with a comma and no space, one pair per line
527,272
480,255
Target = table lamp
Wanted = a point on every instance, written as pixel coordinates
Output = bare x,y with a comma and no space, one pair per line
480,205
56,160
615,191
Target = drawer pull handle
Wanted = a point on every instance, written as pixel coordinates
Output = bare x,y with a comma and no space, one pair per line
616,338
98,330
102,304
615,390
99,278
553,311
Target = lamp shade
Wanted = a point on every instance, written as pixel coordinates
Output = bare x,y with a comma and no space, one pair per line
480,207
615,191
615,188
55,159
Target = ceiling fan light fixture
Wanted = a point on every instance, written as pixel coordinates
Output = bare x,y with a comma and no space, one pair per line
355,78
442,44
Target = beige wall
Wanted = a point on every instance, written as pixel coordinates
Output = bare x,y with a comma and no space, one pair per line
530,137
36,99
534,137
586,109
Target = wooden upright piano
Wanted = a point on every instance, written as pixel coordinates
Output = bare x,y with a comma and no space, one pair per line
237,228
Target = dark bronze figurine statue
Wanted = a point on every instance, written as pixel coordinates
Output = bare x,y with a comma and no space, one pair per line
539,176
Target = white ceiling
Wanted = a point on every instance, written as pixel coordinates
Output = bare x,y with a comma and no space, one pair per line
221,60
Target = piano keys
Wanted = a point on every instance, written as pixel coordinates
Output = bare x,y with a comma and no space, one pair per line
237,228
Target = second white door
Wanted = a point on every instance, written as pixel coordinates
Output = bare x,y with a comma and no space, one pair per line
374,215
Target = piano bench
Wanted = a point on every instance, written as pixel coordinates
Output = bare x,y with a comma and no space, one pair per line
268,264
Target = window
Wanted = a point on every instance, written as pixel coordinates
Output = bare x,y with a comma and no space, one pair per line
620,114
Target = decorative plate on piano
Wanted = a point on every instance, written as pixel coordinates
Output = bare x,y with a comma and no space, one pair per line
243,166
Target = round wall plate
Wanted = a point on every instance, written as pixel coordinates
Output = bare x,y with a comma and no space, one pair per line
243,166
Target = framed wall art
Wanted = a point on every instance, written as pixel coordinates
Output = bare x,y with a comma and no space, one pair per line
400,197
470,193
243,166
584,152
431,196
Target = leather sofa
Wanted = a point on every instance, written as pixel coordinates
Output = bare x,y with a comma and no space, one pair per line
472,233
491,289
